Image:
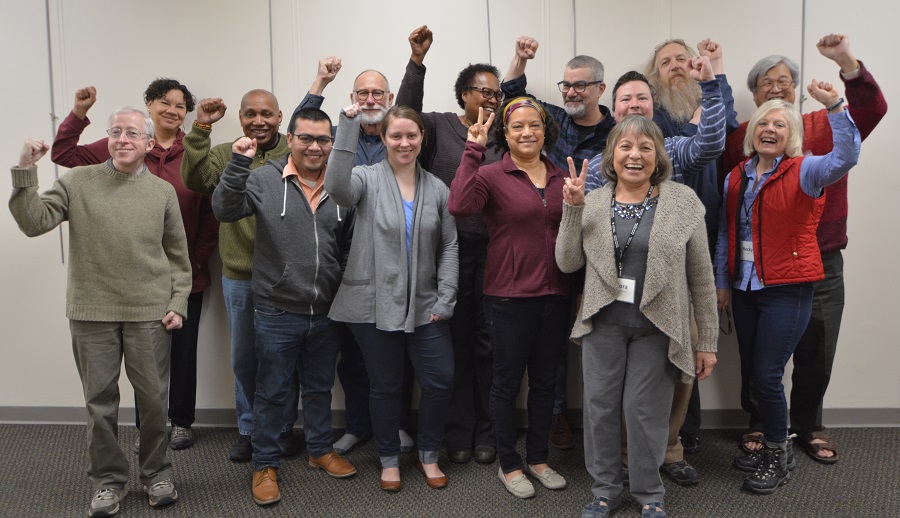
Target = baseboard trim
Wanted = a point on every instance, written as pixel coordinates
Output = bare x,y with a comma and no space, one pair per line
225,417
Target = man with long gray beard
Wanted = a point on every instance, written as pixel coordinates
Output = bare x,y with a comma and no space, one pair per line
678,113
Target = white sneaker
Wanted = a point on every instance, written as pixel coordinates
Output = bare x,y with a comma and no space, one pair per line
106,502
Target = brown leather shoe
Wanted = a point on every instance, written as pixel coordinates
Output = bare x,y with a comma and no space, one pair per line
433,482
265,487
391,486
333,464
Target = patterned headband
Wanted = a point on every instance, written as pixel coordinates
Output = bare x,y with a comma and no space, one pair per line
520,102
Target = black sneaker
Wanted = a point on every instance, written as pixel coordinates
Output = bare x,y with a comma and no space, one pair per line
771,472
749,462
241,450
291,443
681,473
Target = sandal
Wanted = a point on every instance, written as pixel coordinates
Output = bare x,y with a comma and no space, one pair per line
751,437
812,449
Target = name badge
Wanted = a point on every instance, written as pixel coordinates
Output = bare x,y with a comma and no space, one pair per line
747,251
626,290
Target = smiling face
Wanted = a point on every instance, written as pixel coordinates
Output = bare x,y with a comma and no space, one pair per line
633,98
578,105
260,118
168,112
673,64
474,99
776,84
372,110
128,155
771,134
634,159
525,133
310,157
403,140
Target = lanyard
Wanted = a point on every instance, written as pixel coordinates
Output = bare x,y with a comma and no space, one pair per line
612,222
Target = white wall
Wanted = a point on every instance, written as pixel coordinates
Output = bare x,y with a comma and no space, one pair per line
224,48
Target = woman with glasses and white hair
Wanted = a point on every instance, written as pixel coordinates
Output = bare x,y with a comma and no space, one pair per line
767,258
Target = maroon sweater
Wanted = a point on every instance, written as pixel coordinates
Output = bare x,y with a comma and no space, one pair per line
522,228
867,107
200,225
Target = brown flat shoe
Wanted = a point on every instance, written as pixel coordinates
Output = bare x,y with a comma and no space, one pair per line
391,486
433,482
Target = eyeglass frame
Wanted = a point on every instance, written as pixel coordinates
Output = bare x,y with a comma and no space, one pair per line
318,140
377,95
121,131
766,85
564,86
487,93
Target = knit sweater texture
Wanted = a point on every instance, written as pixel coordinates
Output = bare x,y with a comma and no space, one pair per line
678,273
128,257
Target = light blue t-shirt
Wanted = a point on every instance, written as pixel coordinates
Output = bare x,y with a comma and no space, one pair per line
408,211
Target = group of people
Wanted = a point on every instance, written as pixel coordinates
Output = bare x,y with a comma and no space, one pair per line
462,251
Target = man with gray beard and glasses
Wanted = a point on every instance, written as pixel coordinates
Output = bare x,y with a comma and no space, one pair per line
678,113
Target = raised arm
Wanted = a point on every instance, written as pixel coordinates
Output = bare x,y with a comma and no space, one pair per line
201,166
36,214
818,172
344,185
232,201
412,88
690,154
325,73
514,83
66,151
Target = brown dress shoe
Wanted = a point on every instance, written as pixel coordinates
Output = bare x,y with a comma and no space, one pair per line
433,482
333,464
265,487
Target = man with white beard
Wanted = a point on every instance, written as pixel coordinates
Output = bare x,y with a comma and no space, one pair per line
678,113
372,92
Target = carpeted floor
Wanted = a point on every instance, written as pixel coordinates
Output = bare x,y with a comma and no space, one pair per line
43,474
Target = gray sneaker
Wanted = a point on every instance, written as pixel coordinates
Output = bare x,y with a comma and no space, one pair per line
162,493
180,438
106,502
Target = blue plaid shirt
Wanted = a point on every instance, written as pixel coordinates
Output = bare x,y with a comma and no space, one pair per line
571,142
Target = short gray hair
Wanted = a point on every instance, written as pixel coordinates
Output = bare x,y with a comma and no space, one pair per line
148,124
592,63
794,145
767,63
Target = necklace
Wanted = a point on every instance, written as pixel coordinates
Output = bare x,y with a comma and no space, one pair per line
633,210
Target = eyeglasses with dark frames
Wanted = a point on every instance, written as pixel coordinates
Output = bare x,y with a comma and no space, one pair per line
579,86
306,139
487,93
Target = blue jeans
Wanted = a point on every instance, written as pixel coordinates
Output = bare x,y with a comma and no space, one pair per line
526,333
430,349
285,344
769,323
238,296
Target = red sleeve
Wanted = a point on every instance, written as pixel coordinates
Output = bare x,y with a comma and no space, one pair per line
66,151
468,193
865,101
208,234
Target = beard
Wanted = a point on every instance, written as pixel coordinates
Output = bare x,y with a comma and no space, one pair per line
575,111
680,99
373,116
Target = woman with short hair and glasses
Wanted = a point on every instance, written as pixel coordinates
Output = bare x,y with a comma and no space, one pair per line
168,102
526,297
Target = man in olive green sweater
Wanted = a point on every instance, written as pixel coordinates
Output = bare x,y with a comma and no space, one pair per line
129,278
201,168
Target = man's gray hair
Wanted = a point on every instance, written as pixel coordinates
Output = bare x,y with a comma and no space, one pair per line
148,124
583,61
767,63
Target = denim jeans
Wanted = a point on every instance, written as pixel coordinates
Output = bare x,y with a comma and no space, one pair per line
238,296
430,349
769,323
526,333
285,344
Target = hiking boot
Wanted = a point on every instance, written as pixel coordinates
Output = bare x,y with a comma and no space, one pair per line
560,433
162,493
681,473
106,502
771,472
749,462
180,438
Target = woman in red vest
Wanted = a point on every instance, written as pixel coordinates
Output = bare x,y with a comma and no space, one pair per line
767,259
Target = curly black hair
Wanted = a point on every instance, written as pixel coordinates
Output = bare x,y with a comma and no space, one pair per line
498,128
467,75
161,86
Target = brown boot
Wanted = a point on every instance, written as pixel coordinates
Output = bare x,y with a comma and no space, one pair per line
265,487
560,433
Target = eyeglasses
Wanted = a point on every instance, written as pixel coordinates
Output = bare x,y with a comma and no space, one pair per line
487,93
130,133
579,86
362,95
306,139
767,84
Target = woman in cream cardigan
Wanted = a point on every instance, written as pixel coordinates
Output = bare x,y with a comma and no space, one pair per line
643,240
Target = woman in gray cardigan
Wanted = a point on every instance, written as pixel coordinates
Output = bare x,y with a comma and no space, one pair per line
399,287
643,241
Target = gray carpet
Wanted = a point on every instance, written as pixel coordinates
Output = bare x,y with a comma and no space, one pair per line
43,474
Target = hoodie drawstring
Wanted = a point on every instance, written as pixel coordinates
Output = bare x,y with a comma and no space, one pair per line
284,202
